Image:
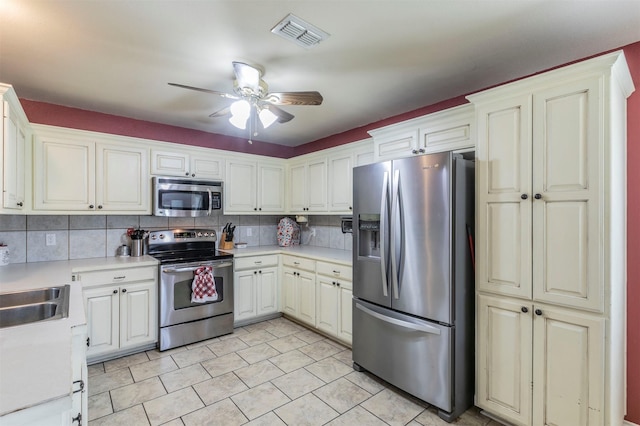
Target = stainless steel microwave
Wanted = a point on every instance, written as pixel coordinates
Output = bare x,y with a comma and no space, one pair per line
179,197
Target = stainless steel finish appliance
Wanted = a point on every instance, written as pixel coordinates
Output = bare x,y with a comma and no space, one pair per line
181,252
180,197
413,303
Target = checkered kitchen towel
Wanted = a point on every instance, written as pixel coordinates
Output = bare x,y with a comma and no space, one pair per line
203,287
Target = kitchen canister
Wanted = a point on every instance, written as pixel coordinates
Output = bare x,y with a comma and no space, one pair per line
4,255
137,247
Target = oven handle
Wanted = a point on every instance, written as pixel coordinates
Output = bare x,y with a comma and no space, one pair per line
193,268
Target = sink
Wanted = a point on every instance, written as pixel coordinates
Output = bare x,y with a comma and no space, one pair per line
29,296
28,306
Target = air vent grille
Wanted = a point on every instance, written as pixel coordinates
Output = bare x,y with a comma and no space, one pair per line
300,32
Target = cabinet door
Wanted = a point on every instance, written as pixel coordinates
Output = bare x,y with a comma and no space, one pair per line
168,163
503,233
13,172
240,192
317,185
328,305
64,175
568,367
298,188
79,374
340,183
566,140
267,294
122,178
138,313
345,329
400,144
503,358
306,284
103,318
209,168
270,188
244,295
289,292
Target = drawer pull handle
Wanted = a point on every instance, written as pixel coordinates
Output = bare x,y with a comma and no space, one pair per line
336,272
258,262
296,263
120,278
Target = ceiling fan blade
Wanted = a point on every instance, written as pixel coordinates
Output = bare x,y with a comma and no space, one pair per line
247,76
283,116
294,98
221,112
214,92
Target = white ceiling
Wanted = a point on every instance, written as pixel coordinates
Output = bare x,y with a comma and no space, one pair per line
383,58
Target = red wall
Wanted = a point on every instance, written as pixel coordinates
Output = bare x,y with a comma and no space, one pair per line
43,113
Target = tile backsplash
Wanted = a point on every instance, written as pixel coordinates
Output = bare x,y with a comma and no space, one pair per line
36,238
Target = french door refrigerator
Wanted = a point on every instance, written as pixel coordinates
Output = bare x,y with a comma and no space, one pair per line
413,289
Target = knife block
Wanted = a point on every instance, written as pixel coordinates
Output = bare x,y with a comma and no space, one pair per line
224,244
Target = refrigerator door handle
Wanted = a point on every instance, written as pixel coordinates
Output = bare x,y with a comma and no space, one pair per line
416,327
392,249
383,232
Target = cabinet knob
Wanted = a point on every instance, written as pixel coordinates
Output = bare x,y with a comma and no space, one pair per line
20,204
524,309
421,150
537,196
100,206
115,291
255,209
186,174
414,151
350,208
260,208
538,312
260,272
524,196
255,272
124,290
193,175
91,206
337,283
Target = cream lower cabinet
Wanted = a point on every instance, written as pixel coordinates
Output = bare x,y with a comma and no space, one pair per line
255,287
299,288
539,364
72,174
121,309
334,290
551,246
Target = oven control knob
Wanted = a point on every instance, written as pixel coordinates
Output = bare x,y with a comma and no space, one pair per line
199,234
206,234
162,236
153,237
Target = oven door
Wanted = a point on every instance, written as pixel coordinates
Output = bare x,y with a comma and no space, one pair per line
175,292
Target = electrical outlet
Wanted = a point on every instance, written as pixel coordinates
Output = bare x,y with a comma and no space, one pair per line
51,239
249,232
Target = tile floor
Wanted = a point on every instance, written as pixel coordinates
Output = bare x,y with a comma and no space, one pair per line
274,372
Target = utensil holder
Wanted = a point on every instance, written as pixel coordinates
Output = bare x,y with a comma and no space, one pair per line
137,248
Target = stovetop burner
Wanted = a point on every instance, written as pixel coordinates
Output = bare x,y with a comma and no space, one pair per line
185,245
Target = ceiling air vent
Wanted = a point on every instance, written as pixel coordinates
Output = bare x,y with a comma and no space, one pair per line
300,32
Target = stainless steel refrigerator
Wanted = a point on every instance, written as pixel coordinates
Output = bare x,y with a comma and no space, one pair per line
413,289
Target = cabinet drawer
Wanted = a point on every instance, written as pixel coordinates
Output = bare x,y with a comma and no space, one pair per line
116,276
299,262
334,270
255,262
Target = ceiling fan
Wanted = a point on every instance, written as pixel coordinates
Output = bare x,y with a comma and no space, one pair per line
253,100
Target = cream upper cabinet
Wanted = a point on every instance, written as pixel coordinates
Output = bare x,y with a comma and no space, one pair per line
14,129
187,164
551,245
447,130
340,182
254,187
308,185
76,175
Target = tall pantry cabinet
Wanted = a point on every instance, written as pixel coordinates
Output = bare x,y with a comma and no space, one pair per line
551,245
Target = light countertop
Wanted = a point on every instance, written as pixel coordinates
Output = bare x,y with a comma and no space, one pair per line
35,359
317,253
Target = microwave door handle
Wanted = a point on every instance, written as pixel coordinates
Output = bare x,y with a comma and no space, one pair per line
210,201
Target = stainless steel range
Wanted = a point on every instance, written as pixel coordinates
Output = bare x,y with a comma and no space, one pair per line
196,286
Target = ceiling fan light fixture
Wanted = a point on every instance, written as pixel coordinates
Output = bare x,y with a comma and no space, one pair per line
267,118
240,111
299,31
